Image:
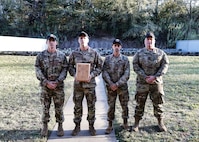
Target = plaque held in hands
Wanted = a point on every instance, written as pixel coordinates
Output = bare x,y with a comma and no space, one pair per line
82,71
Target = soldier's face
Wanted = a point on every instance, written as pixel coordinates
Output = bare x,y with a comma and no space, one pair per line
116,47
149,43
83,41
52,43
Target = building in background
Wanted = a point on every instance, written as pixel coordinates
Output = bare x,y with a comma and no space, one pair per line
20,44
187,45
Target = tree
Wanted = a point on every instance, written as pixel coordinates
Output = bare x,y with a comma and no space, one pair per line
171,22
192,18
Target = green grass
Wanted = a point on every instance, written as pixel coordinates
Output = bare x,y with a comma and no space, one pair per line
181,106
20,108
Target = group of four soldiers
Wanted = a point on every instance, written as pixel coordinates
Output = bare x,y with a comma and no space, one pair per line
149,63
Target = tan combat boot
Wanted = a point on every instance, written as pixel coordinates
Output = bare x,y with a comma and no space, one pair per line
136,125
60,130
76,130
125,124
109,129
92,130
161,125
44,131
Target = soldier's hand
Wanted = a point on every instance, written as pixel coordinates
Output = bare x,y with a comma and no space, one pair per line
150,79
51,85
113,87
89,79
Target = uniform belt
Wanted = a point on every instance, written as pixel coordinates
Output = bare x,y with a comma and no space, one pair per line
52,78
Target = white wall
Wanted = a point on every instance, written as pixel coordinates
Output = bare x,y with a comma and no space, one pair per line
9,43
188,45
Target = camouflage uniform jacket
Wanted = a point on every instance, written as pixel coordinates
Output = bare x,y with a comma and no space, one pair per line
52,67
146,62
116,70
88,56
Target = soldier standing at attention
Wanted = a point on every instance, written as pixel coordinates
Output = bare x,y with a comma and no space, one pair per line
150,64
84,54
116,72
51,70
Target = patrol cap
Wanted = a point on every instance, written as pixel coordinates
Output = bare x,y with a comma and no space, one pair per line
82,33
51,36
150,34
117,41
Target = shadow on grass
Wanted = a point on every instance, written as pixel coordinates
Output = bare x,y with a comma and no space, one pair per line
13,135
149,129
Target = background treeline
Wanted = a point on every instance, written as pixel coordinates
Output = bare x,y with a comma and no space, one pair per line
126,19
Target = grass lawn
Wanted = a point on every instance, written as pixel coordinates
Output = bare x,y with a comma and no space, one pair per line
20,108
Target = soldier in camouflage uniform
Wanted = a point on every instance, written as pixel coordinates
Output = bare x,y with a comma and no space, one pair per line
84,54
51,70
150,64
116,72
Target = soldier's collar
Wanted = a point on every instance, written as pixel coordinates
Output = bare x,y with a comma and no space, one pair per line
119,57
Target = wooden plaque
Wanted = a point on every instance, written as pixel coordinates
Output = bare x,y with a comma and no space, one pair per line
82,71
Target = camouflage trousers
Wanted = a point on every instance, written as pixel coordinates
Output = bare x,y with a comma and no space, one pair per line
78,96
58,97
155,92
123,96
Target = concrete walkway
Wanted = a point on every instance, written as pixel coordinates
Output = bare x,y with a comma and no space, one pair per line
100,123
